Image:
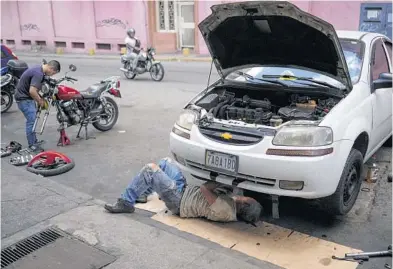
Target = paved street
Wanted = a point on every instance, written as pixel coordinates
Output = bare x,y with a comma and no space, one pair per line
148,110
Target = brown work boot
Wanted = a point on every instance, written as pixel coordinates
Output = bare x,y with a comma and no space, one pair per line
122,206
142,199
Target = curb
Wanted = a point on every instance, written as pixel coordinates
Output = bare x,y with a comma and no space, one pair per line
103,57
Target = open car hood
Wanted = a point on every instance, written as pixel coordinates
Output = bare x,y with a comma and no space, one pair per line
274,33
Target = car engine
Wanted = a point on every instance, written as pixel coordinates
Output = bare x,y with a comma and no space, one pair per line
227,107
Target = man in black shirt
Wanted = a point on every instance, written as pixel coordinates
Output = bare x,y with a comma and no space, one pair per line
26,95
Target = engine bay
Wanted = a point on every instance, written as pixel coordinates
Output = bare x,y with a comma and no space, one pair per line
273,109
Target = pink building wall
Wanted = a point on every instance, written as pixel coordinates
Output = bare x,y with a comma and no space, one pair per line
87,22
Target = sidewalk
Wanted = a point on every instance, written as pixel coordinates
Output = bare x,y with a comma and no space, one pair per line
32,203
159,57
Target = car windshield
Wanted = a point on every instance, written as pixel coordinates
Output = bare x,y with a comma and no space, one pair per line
353,52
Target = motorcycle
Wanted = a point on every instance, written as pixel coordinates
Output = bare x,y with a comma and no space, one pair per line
80,107
145,64
10,76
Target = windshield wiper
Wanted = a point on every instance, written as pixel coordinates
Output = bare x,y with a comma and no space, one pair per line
247,76
304,79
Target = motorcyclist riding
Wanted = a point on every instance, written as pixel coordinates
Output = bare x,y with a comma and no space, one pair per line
133,46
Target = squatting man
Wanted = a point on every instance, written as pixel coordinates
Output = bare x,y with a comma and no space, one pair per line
206,201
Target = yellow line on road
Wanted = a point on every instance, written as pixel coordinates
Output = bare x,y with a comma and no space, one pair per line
277,245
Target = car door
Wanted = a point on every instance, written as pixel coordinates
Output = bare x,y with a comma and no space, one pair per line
381,98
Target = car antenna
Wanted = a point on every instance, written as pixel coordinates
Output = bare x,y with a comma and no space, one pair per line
210,73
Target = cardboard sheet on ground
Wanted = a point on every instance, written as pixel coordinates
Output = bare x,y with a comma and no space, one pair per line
268,242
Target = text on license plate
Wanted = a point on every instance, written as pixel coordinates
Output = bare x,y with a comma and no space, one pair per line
221,161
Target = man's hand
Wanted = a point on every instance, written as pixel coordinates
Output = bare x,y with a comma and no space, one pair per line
207,191
41,103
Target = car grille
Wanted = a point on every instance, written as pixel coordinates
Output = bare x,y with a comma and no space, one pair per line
239,177
239,135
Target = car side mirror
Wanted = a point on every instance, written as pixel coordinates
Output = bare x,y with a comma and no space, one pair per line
72,68
384,81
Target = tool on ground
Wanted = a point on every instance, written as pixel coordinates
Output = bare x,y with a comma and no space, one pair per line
365,256
390,178
21,160
387,266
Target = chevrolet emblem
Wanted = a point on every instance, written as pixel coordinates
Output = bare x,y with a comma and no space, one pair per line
226,136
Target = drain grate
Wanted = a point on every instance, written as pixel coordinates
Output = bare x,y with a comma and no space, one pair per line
26,246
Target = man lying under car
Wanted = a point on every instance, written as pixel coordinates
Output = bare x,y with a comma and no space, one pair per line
186,201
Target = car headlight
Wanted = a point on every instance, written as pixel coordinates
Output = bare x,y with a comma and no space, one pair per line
303,136
187,119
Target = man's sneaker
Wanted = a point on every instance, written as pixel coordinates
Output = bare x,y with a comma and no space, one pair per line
142,199
35,149
122,206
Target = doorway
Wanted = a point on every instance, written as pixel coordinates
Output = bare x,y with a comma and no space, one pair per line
186,22
376,17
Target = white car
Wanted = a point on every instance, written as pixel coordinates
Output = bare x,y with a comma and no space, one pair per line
298,109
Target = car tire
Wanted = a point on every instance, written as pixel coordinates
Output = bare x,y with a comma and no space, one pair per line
388,143
349,185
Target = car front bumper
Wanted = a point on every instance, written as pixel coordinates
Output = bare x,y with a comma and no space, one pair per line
260,172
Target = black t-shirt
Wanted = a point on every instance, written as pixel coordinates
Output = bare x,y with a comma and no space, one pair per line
31,77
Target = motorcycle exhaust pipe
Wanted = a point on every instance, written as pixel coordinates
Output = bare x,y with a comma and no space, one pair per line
123,69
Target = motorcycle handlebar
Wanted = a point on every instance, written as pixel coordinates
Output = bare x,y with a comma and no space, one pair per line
72,79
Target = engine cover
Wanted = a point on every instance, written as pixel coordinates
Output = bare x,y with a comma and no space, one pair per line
296,113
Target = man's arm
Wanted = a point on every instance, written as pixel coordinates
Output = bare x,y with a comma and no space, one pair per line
34,94
35,85
207,191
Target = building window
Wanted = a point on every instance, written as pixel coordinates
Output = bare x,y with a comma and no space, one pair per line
166,19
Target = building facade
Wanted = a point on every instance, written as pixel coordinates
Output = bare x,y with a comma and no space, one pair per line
169,26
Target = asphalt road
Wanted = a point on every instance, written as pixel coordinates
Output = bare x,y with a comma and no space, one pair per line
148,110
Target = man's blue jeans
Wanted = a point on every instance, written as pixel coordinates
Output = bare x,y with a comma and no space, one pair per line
166,179
29,110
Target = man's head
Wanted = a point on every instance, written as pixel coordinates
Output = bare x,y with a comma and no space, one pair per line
248,209
131,32
51,68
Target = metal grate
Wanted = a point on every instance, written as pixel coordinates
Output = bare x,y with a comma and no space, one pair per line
28,245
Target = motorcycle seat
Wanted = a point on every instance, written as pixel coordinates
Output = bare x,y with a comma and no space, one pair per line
94,90
5,79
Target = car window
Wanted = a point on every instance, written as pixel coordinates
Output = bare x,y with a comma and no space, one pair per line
354,54
380,61
388,46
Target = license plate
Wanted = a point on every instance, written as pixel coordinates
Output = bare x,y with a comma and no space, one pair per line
221,161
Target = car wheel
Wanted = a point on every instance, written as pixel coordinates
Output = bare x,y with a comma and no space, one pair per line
342,201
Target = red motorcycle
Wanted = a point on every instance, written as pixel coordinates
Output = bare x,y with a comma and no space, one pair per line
80,107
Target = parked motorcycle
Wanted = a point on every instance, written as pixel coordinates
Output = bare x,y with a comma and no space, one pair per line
145,64
10,76
80,107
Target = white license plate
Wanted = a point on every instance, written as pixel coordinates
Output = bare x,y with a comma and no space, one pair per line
221,161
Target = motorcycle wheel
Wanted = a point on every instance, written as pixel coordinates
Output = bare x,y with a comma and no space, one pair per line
129,74
157,72
5,105
110,119
49,171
